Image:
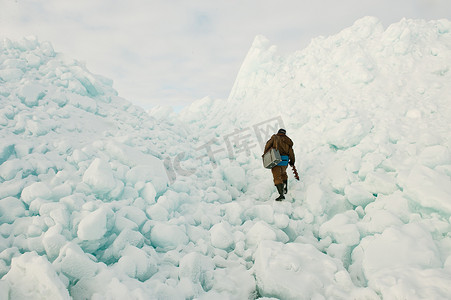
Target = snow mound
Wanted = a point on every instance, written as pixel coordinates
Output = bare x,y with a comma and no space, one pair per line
368,110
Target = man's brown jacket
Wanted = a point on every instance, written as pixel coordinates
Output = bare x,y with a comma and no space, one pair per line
282,143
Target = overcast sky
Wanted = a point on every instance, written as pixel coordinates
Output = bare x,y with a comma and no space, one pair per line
173,51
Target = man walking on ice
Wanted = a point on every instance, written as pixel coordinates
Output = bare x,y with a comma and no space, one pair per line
284,145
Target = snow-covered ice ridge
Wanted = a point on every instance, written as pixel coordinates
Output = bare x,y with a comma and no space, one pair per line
101,200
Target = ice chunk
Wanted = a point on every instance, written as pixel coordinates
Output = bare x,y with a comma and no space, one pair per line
134,214
10,168
79,156
260,231
4,288
6,149
127,237
33,60
136,263
10,209
144,167
298,271
263,212
157,212
236,176
170,200
12,187
233,213
167,236
410,245
412,283
83,102
89,84
214,194
233,280
380,183
122,223
429,188
348,133
74,263
33,277
11,74
93,226
100,176
358,194
154,173
434,156
15,63
27,43
222,236
31,93
281,220
198,269
376,221
62,190
53,241
149,193
342,228
107,285
40,126
337,175
36,190
404,259
315,199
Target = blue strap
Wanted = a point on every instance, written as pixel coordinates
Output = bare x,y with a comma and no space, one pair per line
284,161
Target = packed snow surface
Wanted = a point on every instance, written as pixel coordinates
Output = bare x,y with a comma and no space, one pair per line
102,200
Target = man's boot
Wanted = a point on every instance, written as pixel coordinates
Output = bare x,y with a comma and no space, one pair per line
285,186
280,190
